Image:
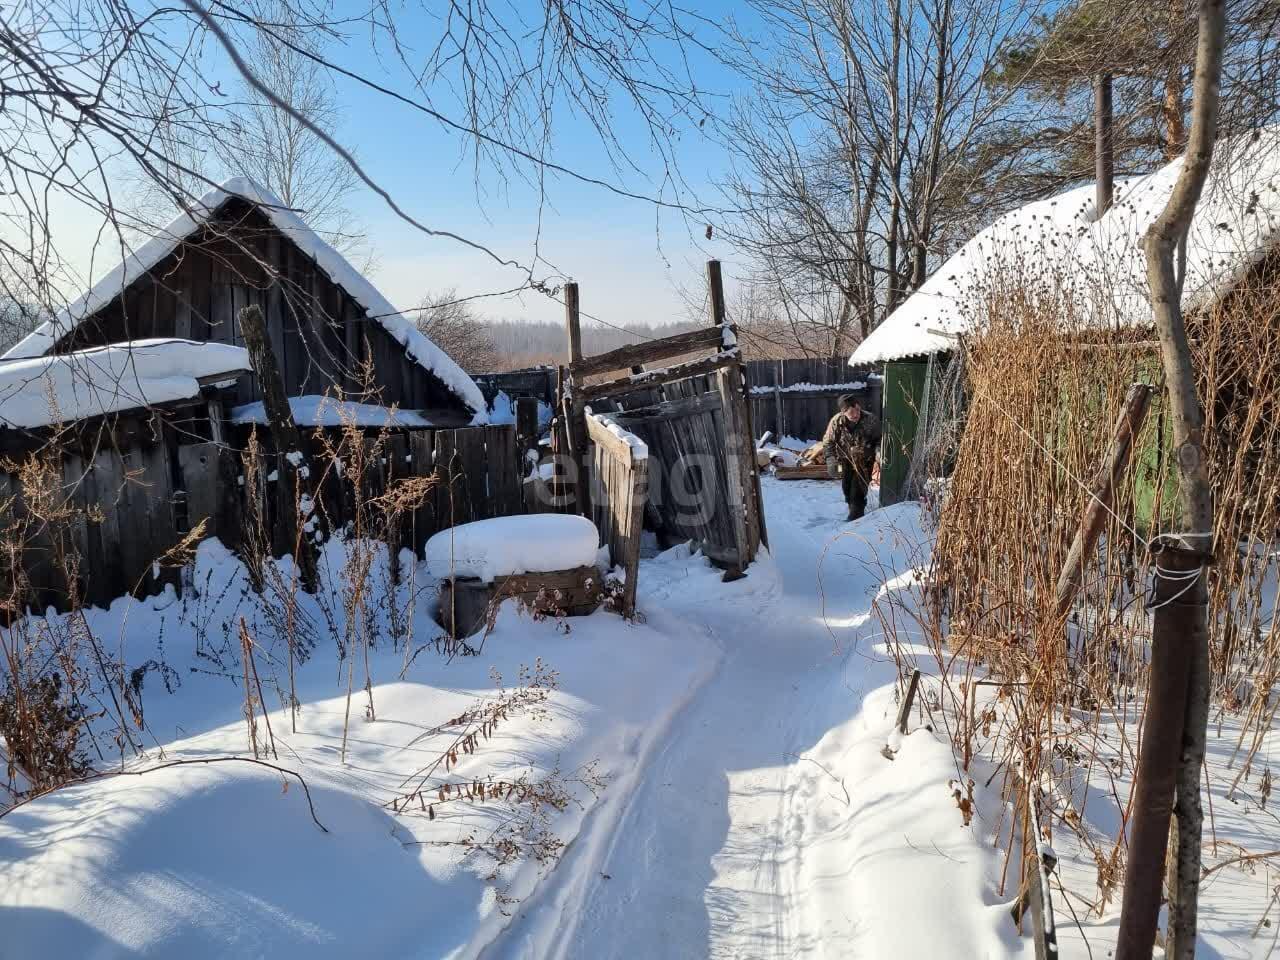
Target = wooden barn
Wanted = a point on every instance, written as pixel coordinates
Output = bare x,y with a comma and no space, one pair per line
331,331
140,397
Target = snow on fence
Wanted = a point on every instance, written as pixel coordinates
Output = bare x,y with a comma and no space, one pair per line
133,499
796,398
619,469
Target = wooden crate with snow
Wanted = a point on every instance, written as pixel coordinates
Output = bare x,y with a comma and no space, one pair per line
546,561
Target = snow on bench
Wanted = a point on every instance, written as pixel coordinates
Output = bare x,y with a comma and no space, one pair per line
502,546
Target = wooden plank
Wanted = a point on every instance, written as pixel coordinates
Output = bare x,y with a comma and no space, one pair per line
651,351
634,534
653,378
671,409
526,430
601,436
472,501
198,469
450,498
424,520
503,470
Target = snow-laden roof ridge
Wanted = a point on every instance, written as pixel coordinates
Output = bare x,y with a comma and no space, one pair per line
139,262
1099,262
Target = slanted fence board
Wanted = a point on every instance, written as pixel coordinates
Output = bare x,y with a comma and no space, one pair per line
667,348
620,486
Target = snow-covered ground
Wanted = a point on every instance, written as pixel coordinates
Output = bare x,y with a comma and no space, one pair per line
724,760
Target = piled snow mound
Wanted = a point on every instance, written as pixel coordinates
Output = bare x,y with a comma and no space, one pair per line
537,543
122,376
335,265
322,411
209,862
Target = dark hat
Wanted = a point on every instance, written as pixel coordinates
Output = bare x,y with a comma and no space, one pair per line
848,400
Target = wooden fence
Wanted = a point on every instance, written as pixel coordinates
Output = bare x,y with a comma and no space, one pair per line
619,491
796,398
134,500
694,416
698,494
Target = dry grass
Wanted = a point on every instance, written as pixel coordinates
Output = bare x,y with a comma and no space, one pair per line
1041,408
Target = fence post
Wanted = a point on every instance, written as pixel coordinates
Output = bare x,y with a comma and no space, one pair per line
575,422
288,439
904,711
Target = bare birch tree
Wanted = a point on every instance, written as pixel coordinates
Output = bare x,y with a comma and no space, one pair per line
271,146
858,151
455,327
1185,556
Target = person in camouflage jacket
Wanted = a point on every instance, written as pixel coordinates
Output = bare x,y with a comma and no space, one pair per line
849,446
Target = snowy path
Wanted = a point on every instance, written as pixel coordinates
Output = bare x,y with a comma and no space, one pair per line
736,841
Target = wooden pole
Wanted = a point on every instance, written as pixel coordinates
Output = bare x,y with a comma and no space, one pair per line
284,431
1102,494
1185,627
573,321
904,711
1104,149
574,407
715,283
1158,759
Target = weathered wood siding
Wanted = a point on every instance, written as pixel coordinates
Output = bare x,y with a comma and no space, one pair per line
136,493
778,407
619,491
321,337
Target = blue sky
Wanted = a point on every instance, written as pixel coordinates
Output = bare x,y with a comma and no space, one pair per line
628,257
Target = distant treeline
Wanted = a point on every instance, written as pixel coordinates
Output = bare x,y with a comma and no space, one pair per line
532,344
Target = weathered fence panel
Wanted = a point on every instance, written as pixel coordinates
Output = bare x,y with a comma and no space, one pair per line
692,500
619,491
796,398
132,501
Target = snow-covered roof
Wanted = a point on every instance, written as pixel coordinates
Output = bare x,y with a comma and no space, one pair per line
123,376
322,411
1100,261
334,264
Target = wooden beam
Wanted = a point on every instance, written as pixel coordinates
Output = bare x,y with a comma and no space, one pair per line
573,321
716,284
1102,494
668,409
653,378
648,352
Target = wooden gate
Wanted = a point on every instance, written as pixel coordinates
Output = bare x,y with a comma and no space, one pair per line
695,418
